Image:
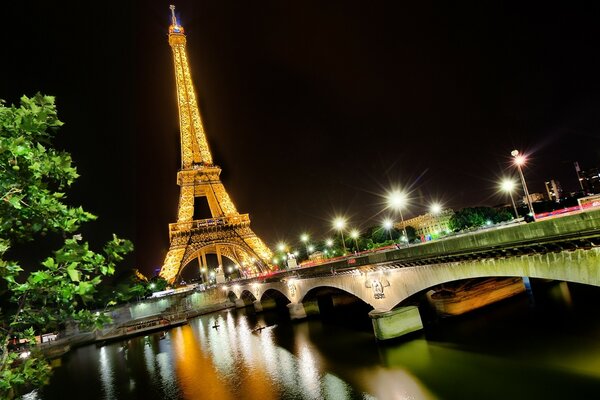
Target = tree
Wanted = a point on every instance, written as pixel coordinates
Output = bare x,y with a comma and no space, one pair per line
473,217
411,233
33,177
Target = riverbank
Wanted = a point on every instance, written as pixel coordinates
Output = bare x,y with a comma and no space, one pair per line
74,338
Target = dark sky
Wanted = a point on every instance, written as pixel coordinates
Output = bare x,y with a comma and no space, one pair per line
312,109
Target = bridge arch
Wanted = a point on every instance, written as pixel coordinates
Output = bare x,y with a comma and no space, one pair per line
232,296
275,294
578,266
247,296
335,303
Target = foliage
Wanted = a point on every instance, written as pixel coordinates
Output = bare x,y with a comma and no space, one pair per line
158,284
411,233
33,177
128,286
381,236
478,216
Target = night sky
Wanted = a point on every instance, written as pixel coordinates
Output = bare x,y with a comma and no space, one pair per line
312,109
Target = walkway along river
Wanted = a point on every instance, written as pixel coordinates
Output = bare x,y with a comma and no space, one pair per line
542,348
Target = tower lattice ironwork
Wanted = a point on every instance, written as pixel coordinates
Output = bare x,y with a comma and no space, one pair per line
228,232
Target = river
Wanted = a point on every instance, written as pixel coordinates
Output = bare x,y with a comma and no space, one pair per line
545,347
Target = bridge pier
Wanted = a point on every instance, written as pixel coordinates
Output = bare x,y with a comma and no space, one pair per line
297,311
395,323
311,308
239,303
258,307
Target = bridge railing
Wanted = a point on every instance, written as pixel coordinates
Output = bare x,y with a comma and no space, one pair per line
572,231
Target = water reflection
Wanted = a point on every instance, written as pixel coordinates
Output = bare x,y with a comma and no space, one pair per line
514,350
220,357
106,374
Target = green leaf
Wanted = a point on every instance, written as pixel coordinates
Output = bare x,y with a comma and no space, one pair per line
73,273
38,276
15,201
48,262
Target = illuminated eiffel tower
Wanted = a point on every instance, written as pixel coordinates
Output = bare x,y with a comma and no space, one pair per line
228,232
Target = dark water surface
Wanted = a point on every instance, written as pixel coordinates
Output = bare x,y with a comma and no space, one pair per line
514,350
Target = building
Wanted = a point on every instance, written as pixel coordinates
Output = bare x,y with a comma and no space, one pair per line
554,190
590,180
534,197
429,224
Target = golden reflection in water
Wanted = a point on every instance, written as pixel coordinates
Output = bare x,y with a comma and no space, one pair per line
198,378
221,361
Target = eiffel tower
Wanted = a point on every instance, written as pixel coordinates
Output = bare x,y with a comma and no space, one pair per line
228,232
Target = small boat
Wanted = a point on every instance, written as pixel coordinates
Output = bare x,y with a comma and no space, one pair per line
145,325
468,296
260,328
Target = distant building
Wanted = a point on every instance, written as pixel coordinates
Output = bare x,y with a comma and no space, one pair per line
429,224
554,190
590,180
534,197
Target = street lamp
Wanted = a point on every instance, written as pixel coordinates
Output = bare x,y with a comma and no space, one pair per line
339,224
388,225
508,185
435,208
397,200
519,160
304,238
354,235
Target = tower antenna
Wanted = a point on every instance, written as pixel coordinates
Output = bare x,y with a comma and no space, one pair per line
173,19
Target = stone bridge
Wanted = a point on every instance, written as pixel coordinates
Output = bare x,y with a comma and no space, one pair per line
564,249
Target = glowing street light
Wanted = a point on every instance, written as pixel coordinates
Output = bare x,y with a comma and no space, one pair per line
281,247
508,186
304,238
435,208
339,224
328,242
397,200
388,225
354,235
519,159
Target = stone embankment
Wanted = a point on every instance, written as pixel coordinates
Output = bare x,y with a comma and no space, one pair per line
189,304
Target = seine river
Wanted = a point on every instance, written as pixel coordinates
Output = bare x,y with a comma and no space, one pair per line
545,347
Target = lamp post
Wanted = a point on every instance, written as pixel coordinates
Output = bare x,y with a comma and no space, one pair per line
304,238
339,224
388,225
508,186
354,235
328,243
520,160
397,200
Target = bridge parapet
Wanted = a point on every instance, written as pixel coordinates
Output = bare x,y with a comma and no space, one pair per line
569,232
